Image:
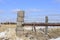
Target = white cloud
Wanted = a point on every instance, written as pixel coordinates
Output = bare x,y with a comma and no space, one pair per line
27,10
15,10
1,11
34,10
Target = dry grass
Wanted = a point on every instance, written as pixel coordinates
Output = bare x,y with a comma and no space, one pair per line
53,33
3,27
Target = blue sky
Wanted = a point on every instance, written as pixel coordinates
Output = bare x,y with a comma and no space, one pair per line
33,9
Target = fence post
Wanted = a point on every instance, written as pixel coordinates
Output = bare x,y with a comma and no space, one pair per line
46,28
20,21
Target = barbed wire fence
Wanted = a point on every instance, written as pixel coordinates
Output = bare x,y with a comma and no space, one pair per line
37,19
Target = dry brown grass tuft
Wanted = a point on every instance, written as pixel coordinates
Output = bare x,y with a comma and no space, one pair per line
4,27
52,33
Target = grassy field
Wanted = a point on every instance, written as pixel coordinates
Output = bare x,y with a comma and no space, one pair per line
52,33
3,27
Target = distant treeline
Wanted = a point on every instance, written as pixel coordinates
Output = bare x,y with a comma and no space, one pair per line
8,23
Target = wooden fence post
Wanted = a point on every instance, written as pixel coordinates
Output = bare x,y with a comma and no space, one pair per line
46,28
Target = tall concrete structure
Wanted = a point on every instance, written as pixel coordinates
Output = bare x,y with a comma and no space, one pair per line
20,21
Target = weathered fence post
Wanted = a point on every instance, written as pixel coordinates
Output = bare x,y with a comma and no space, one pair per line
34,28
46,28
0,24
20,21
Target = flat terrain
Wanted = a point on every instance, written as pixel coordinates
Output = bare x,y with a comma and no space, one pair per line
3,27
52,33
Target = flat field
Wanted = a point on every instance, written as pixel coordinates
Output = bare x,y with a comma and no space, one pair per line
52,33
